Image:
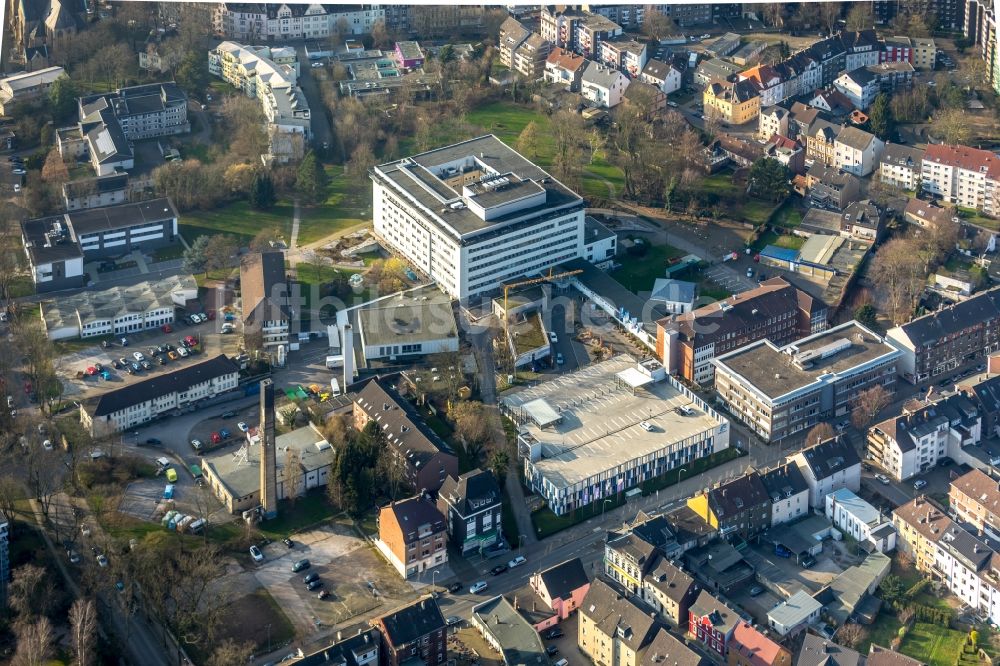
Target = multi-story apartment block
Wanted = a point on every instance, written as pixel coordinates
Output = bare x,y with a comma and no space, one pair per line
361,649
900,166
712,623
565,68
627,16
143,401
664,76
779,392
144,112
521,50
775,310
856,151
861,49
831,54
914,441
416,633
413,535
738,508
271,76
614,630
821,140
767,82
788,493
625,54
670,591
120,310
425,459
603,86
579,31
773,120
827,467
866,525
962,175
665,426
631,552
985,393
975,499
26,86
734,102
941,549
859,85
832,187
57,245
685,15
281,21
924,53
896,49
948,338
475,214
471,503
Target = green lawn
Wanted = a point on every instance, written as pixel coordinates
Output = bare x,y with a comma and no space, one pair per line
932,644
239,219
168,252
975,217
881,632
784,240
638,274
746,208
788,216
347,204
304,512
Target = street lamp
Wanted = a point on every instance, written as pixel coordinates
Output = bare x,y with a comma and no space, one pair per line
679,474
433,574
604,507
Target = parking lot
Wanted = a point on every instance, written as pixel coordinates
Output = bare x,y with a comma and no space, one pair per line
729,278
789,576
346,565
72,364
224,419
144,498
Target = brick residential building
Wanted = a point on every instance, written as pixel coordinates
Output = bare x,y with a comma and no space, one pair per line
416,633
712,623
950,337
741,507
412,534
775,310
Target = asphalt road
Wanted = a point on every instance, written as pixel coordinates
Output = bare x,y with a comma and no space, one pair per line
321,130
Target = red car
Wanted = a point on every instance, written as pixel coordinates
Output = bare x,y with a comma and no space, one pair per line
211,315
216,438
91,371
167,328
191,340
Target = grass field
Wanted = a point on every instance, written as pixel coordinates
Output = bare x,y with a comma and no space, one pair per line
238,219
746,209
881,632
932,644
638,274
784,240
347,204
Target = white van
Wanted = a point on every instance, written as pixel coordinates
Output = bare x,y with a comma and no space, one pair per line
685,410
334,387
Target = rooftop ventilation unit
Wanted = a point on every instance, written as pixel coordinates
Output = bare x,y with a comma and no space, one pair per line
806,358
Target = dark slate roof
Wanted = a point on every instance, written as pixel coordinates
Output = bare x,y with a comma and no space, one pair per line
665,650
472,487
863,213
784,481
656,69
737,495
861,77
898,155
986,393
613,614
121,216
402,426
347,652
160,385
829,457
263,287
99,185
828,48
926,417
563,579
410,623
670,579
855,138
930,328
817,651
880,656
412,513
724,619
859,39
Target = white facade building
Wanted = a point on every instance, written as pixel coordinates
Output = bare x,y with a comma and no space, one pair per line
474,214
827,467
143,401
287,21
603,86
963,176
856,151
863,522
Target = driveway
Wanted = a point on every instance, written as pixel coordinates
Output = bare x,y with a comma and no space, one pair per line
321,130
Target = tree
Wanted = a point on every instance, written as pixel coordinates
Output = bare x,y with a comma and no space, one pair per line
880,117
292,473
83,629
820,433
851,635
658,25
773,13
30,593
63,94
231,653
288,416
471,423
54,171
499,464
221,252
866,315
309,178
362,160
867,404
898,273
952,125
196,259
192,74
380,36
829,14
262,242
860,17
34,643
262,196
768,179
527,140
239,178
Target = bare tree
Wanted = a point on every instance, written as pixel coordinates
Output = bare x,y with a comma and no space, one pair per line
867,404
34,643
952,125
231,653
898,271
820,432
292,474
83,627
471,425
829,14
30,592
851,635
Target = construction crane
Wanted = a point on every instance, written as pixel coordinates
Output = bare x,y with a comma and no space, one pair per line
524,283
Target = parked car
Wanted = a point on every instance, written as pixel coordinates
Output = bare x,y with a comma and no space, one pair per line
242,426
478,587
808,561
314,585
256,554
301,565
288,542
216,438
196,444
227,415
516,562
310,577
138,356
455,587
452,620
756,590
225,434
646,425
323,594
919,483
883,479
782,551
554,632
498,569
102,561
153,441
551,650
945,462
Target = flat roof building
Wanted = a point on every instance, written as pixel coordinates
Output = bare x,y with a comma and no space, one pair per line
416,322
607,428
508,632
781,391
474,214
